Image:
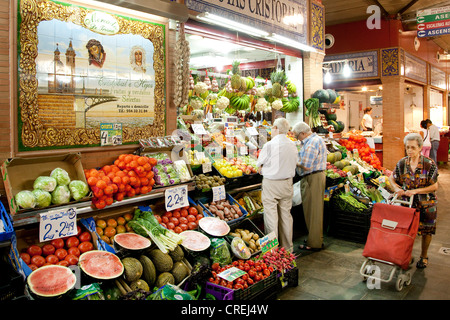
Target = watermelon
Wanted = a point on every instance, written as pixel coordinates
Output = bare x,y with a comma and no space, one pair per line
332,95
322,95
51,281
331,116
341,126
131,241
101,264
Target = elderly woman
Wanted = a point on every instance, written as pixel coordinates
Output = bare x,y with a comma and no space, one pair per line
416,175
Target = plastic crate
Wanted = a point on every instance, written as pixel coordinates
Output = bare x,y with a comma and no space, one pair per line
350,226
288,279
12,284
7,223
231,200
253,292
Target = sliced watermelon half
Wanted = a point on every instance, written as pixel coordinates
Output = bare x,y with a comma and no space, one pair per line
100,264
131,241
51,281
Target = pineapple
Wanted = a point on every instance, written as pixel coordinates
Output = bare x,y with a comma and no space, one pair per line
278,79
243,86
236,77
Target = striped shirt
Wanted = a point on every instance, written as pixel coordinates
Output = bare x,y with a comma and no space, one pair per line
313,155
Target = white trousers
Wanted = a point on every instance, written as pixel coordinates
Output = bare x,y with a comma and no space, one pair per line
276,197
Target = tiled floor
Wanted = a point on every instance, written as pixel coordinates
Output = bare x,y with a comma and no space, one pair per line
333,273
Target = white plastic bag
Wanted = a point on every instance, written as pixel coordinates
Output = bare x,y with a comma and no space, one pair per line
297,197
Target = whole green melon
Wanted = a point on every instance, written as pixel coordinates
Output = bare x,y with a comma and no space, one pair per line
332,95
322,95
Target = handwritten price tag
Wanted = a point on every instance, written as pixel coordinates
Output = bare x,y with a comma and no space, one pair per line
252,131
268,242
218,193
198,128
176,197
57,224
206,167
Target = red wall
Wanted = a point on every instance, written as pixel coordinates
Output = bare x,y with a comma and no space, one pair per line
355,36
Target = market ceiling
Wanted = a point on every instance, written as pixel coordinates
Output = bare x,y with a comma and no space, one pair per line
343,11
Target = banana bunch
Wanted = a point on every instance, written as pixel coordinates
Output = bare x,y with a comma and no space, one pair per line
241,102
290,104
250,82
291,87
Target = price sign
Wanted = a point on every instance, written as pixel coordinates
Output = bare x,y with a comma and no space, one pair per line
57,224
230,151
231,274
206,167
176,197
200,156
268,242
110,134
198,128
218,193
243,150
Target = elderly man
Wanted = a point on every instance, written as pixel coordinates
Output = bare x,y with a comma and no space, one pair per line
311,169
276,163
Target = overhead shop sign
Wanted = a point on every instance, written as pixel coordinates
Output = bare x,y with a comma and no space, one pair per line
287,18
433,22
363,64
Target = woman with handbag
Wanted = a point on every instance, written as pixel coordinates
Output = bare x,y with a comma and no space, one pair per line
417,175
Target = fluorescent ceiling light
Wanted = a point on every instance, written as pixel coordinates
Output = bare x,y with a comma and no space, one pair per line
289,42
327,78
221,21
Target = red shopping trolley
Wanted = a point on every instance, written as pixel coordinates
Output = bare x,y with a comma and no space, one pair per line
393,229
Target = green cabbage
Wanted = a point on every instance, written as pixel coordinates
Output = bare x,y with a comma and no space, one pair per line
79,189
45,183
61,195
25,199
61,176
43,198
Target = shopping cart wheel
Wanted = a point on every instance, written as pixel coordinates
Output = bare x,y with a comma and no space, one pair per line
408,276
399,283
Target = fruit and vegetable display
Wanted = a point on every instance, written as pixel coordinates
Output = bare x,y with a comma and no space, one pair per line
250,238
61,251
280,259
180,220
367,154
107,228
224,210
206,182
130,175
55,189
251,201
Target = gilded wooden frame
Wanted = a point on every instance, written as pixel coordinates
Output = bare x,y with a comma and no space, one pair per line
33,135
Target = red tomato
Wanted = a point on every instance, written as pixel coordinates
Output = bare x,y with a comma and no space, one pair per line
61,253
164,225
25,257
175,221
32,266
170,225
38,260
72,242
168,214
191,218
63,263
193,211
74,251
192,225
183,220
238,286
251,273
57,243
266,272
48,249
178,229
184,213
158,217
199,216
176,214
34,250
71,259
78,231
52,259
85,236
85,246
165,219
183,226
215,266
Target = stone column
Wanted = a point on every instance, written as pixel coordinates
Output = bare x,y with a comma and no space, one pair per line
393,120
312,73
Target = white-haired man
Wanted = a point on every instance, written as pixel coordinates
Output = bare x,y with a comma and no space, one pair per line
311,169
276,163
